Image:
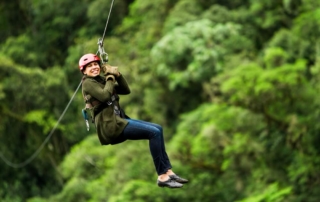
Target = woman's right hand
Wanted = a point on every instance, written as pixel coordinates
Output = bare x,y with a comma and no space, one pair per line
110,77
108,69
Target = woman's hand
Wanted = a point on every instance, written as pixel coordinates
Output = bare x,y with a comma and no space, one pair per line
110,77
108,69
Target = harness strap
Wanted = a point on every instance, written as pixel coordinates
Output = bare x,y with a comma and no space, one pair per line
95,106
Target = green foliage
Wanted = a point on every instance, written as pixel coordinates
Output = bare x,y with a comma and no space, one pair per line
255,87
207,141
183,12
271,194
12,23
139,191
91,170
199,59
17,49
275,57
307,25
98,12
143,30
39,117
219,14
26,98
235,84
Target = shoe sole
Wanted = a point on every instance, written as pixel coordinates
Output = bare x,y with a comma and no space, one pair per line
177,179
163,186
182,182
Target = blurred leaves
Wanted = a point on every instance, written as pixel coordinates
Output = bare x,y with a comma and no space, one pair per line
271,194
235,85
194,52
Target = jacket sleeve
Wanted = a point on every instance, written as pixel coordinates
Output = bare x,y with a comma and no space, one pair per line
96,90
122,88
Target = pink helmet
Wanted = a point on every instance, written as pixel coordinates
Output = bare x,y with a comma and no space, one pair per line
86,59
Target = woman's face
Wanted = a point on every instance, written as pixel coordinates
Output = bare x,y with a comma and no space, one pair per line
92,69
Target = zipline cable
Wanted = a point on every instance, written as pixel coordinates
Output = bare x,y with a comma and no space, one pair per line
100,41
35,154
105,28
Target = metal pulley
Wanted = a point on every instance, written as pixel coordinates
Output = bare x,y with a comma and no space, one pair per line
102,52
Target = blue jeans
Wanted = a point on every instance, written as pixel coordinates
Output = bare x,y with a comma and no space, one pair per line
141,130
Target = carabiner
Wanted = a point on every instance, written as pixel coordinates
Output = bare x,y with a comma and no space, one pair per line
85,116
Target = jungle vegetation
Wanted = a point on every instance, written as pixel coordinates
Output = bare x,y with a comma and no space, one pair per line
234,83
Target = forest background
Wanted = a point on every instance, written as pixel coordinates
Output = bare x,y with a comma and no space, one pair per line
234,83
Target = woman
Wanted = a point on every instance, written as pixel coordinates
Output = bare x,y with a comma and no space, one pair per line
112,125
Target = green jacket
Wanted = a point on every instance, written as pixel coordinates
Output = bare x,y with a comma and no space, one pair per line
108,124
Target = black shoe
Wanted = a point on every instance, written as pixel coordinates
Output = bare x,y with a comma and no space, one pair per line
169,183
178,179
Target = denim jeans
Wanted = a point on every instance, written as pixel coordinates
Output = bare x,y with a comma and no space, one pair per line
141,130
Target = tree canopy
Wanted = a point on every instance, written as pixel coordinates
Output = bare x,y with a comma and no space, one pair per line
234,83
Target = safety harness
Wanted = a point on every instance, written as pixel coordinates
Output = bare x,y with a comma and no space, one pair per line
95,106
89,104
